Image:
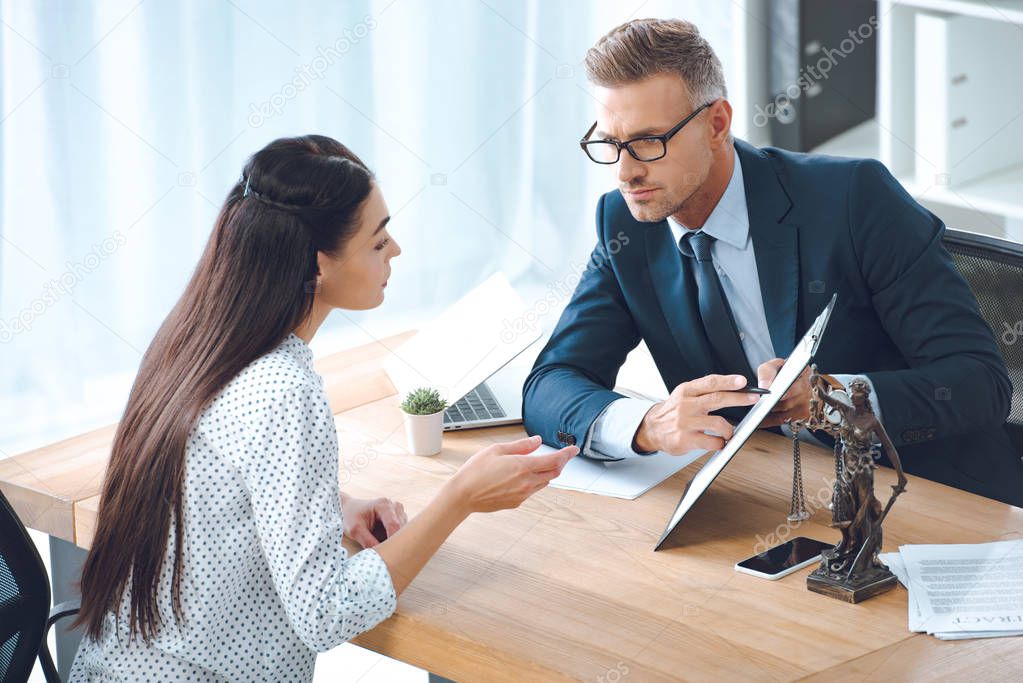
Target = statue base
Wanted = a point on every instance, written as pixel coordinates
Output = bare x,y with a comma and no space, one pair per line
855,588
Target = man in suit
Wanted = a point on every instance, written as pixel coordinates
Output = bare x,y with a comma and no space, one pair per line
719,255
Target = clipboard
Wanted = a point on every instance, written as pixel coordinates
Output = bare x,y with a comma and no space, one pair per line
800,357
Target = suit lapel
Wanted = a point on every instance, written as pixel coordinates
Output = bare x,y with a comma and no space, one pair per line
775,244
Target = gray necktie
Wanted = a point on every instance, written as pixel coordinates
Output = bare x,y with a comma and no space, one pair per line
717,316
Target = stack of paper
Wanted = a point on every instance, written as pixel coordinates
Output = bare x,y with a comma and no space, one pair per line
962,591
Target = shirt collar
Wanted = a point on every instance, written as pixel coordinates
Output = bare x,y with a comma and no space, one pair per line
729,219
299,348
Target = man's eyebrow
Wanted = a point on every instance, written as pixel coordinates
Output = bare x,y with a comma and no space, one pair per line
382,224
654,130
602,135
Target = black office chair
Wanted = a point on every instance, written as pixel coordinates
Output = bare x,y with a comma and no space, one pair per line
25,614
994,270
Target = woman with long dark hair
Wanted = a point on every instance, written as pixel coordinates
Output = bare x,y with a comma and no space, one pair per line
217,554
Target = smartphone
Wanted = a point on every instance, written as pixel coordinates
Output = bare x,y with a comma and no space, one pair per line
782,560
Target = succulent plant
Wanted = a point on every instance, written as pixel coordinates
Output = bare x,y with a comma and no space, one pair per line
423,401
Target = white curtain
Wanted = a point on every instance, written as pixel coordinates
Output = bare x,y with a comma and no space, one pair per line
125,123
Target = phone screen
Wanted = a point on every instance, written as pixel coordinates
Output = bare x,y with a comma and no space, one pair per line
788,554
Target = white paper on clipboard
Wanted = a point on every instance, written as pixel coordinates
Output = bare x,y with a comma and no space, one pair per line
800,357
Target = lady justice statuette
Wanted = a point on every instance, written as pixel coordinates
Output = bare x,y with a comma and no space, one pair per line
851,571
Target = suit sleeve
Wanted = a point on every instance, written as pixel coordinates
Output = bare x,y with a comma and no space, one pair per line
956,381
571,382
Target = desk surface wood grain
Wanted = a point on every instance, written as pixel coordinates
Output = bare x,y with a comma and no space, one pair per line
567,587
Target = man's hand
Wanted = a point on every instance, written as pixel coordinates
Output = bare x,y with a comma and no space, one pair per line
795,404
680,424
362,515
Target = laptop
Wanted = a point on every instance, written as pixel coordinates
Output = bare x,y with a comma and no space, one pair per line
496,401
475,355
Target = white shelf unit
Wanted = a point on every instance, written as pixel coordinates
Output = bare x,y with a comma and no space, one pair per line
992,203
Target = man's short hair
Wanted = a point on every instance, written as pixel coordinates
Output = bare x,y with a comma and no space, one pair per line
642,48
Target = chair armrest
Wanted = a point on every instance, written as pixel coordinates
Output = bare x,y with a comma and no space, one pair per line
64,609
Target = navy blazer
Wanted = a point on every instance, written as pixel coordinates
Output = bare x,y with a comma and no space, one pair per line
819,225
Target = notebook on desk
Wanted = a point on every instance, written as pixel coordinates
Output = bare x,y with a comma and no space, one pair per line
629,478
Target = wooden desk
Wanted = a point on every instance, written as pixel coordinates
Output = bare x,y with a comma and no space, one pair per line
567,587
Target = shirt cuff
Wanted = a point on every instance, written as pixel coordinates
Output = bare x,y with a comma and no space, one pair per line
846,380
366,590
611,434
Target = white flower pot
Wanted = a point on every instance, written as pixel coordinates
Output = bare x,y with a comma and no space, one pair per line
425,433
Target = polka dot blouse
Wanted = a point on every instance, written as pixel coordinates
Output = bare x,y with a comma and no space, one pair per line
266,583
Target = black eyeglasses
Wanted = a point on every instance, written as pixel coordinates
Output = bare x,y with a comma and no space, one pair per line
643,148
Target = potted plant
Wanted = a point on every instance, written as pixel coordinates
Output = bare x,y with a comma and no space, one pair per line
424,421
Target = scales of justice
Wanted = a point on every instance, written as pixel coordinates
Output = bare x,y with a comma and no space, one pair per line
851,571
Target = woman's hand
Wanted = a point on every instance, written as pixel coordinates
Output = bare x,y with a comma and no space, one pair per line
504,475
498,477
363,515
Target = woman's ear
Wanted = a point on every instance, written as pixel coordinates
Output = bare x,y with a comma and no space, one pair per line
314,286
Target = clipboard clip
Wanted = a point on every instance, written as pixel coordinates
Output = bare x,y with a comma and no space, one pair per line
822,322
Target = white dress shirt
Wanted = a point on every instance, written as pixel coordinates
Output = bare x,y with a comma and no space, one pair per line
266,582
611,434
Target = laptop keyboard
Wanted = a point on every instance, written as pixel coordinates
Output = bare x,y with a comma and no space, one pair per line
478,404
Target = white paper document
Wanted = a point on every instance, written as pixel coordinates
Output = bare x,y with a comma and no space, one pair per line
962,591
895,563
629,478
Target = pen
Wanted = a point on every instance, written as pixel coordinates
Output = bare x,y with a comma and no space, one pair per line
753,390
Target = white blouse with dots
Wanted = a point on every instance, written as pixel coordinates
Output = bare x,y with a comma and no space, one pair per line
266,583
